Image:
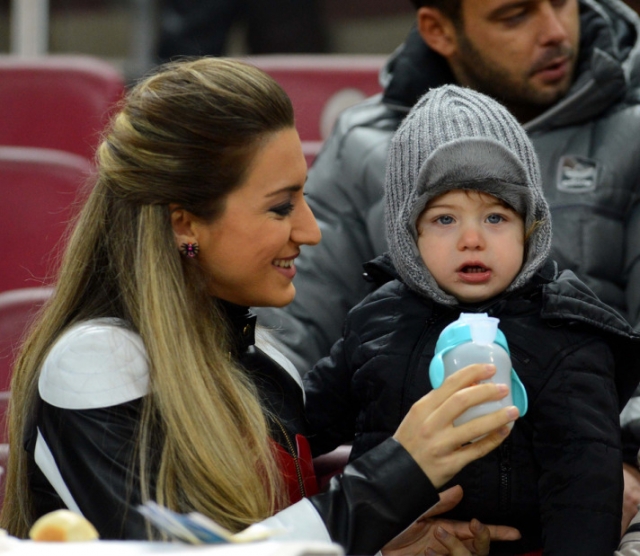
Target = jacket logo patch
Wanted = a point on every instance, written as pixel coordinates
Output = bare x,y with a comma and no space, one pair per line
577,174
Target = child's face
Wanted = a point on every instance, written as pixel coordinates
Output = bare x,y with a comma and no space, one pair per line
472,244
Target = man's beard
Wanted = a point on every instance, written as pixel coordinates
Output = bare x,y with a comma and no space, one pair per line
521,97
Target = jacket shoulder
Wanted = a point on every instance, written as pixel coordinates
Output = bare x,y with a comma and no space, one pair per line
361,129
384,309
568,297
97,363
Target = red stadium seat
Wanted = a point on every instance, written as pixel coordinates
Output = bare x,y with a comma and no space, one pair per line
320,87
17,309
57,102
38,188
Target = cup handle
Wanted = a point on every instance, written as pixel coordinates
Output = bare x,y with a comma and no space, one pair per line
436,371
518,393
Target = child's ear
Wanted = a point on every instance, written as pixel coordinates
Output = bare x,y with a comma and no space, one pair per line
183,224
438,31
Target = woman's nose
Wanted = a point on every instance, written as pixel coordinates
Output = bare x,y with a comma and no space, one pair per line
305,230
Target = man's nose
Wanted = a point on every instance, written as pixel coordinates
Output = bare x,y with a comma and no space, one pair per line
552,26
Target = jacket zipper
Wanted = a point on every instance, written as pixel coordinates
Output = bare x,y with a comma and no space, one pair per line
427,332
294,455
505,475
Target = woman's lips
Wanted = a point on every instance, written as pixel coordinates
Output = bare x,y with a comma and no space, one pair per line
286,267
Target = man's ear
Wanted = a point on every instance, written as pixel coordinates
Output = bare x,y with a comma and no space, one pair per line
183,224
438,31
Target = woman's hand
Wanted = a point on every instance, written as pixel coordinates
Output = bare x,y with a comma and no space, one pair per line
429,536
428,434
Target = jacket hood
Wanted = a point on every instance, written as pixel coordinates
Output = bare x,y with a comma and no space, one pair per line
608,67
455,138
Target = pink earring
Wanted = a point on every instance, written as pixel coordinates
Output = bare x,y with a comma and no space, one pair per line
189,249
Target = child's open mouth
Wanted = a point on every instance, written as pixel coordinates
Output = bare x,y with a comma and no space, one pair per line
474,273
473,269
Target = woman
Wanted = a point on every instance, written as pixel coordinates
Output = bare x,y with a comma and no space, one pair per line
142,380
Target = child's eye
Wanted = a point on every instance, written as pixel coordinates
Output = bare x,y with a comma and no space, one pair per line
495,218
445,219
285,209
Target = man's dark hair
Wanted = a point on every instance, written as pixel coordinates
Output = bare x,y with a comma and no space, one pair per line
451,8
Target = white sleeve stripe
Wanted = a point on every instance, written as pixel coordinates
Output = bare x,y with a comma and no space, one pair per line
631,411
266,344
299,522
47,464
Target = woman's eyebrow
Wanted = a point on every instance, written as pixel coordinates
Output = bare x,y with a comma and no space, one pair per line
287,189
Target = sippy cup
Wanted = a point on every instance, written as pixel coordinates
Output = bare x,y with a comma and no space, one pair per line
475,338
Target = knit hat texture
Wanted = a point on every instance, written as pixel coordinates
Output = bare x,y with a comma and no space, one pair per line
457,138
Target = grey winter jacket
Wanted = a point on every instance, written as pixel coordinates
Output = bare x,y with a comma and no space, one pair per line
589,149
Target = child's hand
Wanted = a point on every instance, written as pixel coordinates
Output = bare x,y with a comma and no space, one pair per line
428,434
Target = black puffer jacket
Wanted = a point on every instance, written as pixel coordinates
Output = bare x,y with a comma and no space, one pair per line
558,477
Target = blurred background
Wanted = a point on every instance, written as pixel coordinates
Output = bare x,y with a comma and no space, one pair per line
125,32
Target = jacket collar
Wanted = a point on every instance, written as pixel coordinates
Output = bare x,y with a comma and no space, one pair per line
242,325
609,61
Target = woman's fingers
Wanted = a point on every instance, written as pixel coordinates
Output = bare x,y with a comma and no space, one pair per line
428,434
449,499
463,378
476,428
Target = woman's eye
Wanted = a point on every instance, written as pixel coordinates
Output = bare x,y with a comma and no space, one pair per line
495,218
444,219
285,209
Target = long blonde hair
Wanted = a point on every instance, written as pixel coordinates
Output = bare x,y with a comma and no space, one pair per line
184,135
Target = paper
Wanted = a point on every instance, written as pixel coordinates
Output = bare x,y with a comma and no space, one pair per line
195,528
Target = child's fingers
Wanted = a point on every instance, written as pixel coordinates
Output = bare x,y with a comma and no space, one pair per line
455,546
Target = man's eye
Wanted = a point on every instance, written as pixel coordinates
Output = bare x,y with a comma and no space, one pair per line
514,18
284,209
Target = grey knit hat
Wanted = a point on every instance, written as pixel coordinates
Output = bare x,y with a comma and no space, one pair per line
456,138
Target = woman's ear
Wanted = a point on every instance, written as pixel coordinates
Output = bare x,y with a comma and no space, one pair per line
438,31
183,224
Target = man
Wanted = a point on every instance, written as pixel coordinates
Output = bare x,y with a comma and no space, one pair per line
569,70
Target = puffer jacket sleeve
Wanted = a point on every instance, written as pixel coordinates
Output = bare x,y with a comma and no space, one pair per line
630,416
577,443
632,259
345,193
330,407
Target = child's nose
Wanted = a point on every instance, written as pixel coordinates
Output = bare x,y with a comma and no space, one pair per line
471,238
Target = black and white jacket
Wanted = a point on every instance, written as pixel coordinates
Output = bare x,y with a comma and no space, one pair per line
81,440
